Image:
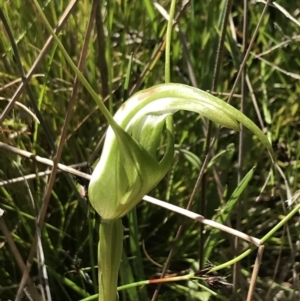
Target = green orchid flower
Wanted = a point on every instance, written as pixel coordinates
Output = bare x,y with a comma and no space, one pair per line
130,165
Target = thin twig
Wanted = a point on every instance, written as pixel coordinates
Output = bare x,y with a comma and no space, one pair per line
101,44
248,50
202,219
201,180
236,268
44,161
255,271
39,174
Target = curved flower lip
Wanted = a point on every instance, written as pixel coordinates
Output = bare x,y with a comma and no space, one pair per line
128,168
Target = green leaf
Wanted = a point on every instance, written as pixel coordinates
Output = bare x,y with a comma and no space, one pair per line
229,206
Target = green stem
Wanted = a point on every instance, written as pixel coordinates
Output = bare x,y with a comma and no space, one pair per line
169,120
233,261
109,258
168,43
187,277
263,240
280,224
